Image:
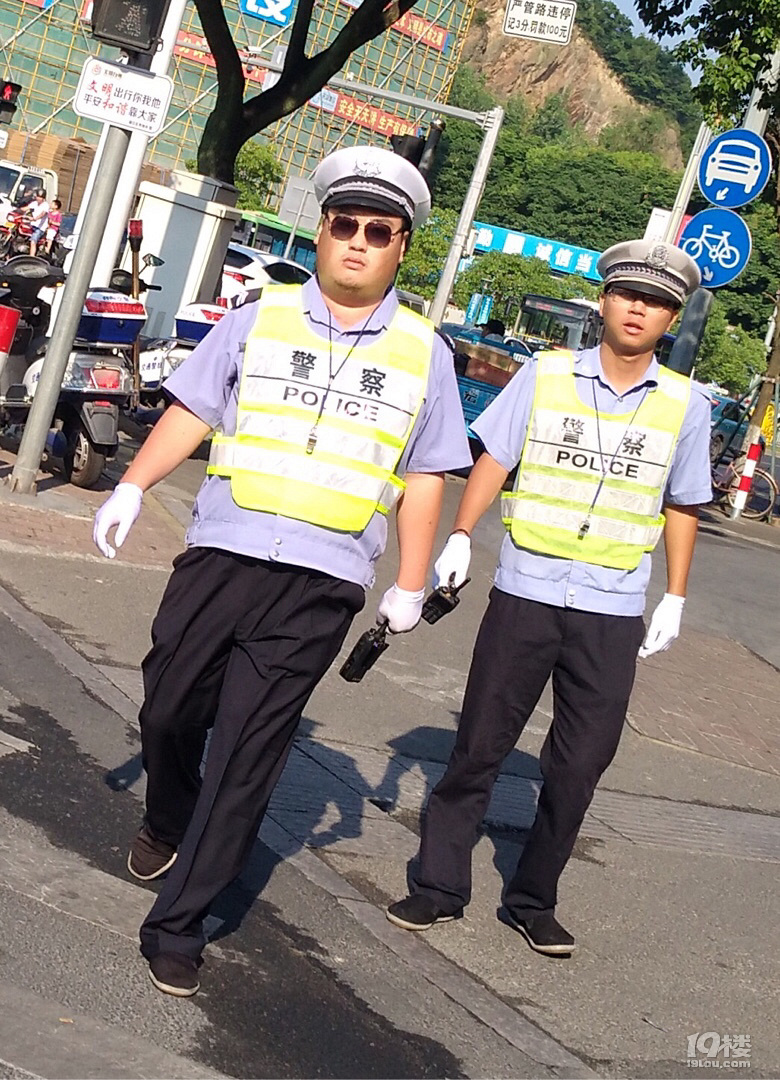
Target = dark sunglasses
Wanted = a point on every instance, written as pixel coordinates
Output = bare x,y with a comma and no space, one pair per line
378,234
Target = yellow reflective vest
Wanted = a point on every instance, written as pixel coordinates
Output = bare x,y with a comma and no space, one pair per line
320,449
561,467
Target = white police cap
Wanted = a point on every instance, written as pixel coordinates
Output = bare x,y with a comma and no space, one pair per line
651,267
375,178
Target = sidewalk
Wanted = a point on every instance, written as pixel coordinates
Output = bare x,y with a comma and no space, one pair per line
672,885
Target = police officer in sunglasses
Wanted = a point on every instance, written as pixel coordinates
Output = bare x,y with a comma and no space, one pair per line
331,405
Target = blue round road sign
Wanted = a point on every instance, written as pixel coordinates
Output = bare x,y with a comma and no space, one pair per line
734,168
719,241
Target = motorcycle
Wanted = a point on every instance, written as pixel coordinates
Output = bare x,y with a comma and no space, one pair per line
96,382
15,234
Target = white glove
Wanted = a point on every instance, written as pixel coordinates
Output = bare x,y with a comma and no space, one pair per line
401,608
121,508
664,625
454,559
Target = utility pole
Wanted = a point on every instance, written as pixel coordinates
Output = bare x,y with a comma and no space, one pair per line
756,120
684,191
492,126
73,295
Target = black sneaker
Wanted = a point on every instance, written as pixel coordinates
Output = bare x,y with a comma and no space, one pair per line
542,932
418,912
149,858
175,974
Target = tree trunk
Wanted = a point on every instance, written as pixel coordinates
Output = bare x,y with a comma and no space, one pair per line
233,121
220,144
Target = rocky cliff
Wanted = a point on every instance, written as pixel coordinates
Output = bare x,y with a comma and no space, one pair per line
595,95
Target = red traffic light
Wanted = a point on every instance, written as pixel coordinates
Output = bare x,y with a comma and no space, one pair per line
9,91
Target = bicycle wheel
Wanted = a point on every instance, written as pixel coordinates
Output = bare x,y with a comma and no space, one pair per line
693,247
729,256
761,497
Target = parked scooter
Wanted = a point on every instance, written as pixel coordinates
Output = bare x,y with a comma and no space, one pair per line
96,382
159,357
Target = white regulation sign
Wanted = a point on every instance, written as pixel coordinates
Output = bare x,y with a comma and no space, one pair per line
123,96
550,21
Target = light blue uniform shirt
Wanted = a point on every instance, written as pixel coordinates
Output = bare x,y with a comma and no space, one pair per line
565,582
207,383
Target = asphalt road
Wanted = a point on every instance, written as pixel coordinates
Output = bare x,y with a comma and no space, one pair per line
302,991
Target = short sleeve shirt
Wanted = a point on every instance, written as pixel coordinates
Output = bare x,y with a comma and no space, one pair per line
502,430
207,383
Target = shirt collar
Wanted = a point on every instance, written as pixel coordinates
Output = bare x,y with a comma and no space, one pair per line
588,365
317,310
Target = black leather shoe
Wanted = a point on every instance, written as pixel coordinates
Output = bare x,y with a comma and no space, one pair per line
542,932
149,858
418,912
174,974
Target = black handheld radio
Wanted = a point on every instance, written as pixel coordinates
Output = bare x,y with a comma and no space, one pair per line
368,648
442,600
370,645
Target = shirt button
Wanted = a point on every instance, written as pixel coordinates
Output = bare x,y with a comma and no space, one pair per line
277,540
273,554
620,398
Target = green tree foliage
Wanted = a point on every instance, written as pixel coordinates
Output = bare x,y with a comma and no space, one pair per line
508,278
729,356
545,177
257,169
652,74
750,300
729,44
421,269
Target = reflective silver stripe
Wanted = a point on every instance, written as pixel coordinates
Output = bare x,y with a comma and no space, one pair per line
678,389
560,517
330,440
301,468
571,488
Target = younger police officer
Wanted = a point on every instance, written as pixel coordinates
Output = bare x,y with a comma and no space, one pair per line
604,440
324,396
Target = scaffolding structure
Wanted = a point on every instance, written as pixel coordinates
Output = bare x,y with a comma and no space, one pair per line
43,45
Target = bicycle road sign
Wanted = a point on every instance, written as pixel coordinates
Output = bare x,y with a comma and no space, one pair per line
720,243
734,168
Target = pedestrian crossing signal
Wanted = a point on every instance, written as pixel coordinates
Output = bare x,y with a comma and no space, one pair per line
9,92
132,25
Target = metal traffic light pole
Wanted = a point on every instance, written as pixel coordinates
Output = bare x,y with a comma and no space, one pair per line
47,392
107,27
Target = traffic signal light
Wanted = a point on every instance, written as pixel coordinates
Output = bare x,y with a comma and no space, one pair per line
9,92
420,151
408,146
133,25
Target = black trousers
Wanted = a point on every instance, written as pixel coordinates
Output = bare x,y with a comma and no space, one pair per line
238,644
592,659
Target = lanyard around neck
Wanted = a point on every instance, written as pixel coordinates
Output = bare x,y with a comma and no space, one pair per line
585,526
333,375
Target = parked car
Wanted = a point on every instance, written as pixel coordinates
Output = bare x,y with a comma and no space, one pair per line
246,270
727,417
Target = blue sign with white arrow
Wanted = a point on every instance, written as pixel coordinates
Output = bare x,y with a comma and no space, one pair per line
734,168
720,243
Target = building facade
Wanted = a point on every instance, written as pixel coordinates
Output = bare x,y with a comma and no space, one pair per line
44,43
